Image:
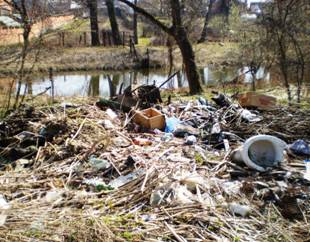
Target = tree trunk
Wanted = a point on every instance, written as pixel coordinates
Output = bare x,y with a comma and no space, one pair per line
253,82
286,83
178,32
93,17
179,79
189,64
202,76
113,22
225,8
26,32
186,48
135,25
94,86
170,54
203,36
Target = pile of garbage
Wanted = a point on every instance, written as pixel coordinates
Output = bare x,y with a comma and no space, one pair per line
194,170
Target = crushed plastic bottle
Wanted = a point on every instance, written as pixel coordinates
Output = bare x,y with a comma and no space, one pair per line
166,137
99,164
98,184
122,180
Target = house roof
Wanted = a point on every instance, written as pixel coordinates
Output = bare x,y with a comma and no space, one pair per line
9,22
75,5
101,4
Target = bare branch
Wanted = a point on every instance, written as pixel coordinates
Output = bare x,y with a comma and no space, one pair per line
149,16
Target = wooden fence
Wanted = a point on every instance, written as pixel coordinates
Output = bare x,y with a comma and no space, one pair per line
74,39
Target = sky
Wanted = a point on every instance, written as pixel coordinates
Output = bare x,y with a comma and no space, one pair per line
251,1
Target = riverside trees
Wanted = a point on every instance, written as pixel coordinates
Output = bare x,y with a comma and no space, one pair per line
178,31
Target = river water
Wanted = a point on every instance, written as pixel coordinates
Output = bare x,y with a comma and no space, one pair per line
98,84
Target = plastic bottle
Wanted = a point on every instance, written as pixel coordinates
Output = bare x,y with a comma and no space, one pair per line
167,137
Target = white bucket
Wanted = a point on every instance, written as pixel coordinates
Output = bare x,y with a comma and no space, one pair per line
260,152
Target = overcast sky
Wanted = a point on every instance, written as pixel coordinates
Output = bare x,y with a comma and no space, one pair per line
253,1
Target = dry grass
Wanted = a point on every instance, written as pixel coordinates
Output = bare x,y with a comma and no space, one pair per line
81,212
113,58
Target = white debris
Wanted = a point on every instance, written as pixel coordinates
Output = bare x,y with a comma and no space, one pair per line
238,209
53,196
112,115
251,117
108,124
4,206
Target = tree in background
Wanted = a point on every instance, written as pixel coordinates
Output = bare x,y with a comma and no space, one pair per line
26,14
287,24
135,25
113,22
253,55
180,35
203,36
225,8
93,17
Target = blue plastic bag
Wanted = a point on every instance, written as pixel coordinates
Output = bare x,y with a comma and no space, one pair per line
171,124
300,147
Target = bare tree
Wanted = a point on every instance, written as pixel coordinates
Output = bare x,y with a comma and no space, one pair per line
203,36
135,25
225,8
26,14
93,17
286,23
179,33
113,22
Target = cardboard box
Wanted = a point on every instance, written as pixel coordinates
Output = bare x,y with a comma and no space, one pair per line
150,118
260,101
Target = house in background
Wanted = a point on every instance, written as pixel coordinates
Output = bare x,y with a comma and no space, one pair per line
7,18
8,22
80,10
45,15
255,6
61,7
49,7
5,9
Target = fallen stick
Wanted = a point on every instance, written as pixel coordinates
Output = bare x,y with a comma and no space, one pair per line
112,163
79,130
39,94
179,238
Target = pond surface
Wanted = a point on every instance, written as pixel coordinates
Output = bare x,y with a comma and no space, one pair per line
110,83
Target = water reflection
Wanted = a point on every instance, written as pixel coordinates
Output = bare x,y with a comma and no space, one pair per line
106,84
94,86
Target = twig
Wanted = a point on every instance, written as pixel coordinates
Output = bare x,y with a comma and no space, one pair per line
179,238
79,130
